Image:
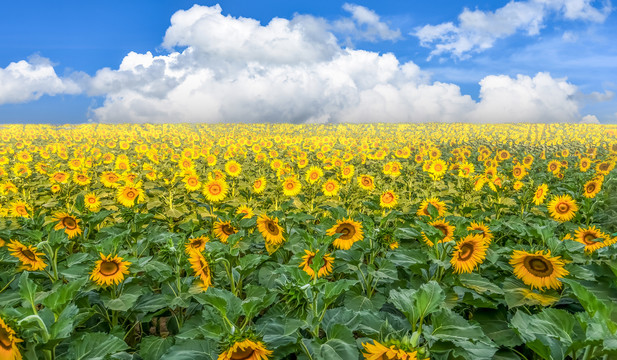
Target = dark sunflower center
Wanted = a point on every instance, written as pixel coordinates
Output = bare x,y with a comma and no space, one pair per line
21,210
272,228
197,243
591,187
28,254
465,251
603,166
443,229
215,189
538,266
290,185
109,268
309,261
347,230
5,341
517,172
387,198
539,193
192,181
91,200
553,167
562,208
257,184
366,181
242,354
131,194
227,229
69,223
589,238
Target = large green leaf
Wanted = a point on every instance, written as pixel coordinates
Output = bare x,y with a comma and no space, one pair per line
154,347
417,304
95,346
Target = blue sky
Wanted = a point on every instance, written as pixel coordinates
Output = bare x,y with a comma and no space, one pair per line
475,61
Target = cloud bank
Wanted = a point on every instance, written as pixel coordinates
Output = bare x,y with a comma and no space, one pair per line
221,68
478,30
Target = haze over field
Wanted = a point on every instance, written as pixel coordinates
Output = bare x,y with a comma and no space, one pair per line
518,61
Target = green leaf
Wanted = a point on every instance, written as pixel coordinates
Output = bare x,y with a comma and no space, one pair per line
222,300
95,346
27,289
280,331
495,325
191,350
406,233
154,347
417,304
478,283
333,289
336,349
123,303
63,327
63,294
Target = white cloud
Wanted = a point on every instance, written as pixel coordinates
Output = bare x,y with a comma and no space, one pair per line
478,30
236,70
29,80
364,24
590,119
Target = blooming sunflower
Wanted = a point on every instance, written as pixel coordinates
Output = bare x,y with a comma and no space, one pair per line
81,179
313,174
110,179
129,194
68,222
233,168
92,201
191,182
538,270
215,190
246,349
247,211
60,177
196,244
469,253
592,188
554,166
388,199
592,238
485,230
366,182
324,270
446,229
200,266
291,186
540,194
519,171
8,343
331,188
223,229
377,351
439,205
27,255
20,209
562,208
466,169
109,270
259,185
270,229
351,231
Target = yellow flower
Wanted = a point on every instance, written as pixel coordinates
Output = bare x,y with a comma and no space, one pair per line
20,209
110,179
191,182
538,270
259,185
291,186
130,194
109,270
69,223
562,208
351,231
377,351
388,199
446,229
592,188
246,350
223,229
313,174
196,244
247,211
28,255
331,188
439,205
8,343
233,168
593,238
324,270
469,253
92,201
215,190
540,194
270,229
366,182
485,230
200,266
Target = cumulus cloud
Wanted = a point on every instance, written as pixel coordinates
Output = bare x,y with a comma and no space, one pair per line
29,80
236,70
478,30
364,24
590,119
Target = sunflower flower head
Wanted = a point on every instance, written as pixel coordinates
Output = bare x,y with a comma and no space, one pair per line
538,270
109,270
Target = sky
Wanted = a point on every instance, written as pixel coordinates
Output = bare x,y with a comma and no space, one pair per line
308,61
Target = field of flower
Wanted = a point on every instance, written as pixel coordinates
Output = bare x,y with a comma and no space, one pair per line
411,241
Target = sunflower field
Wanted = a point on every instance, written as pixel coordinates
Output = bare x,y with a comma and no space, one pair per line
313,242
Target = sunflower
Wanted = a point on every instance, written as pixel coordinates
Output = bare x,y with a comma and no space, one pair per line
313,174
439,205
554,166
562,208
538,270
584,164
129,194
8,343
388,199
110,179
69,223
438,168
377,351
200,266
446,229
233,168
593,238
466,169
270,229
351,231
20,209
519,171
81,179
215,190
324,270
27,255
191,182
366,182
92,201
469,253
246,349
485,230
259,185
291,186
347,171
109,270
592,188
247,211
196,244
540,194
60,177
331,188
223,229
